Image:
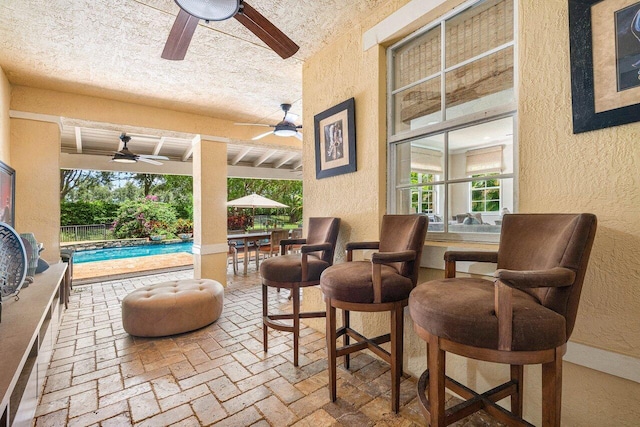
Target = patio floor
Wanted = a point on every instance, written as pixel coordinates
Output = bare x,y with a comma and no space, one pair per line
218,375
127,266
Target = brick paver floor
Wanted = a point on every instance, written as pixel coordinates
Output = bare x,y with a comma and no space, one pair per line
218,375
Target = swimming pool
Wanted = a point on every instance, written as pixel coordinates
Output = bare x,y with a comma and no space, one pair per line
130,252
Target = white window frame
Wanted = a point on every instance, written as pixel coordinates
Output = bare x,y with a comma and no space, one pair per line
446,126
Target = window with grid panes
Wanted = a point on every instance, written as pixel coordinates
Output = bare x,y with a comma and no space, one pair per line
452,112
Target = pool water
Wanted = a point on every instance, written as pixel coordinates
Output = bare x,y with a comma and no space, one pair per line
131,252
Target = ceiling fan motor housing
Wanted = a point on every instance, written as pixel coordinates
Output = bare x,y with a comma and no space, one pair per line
210,10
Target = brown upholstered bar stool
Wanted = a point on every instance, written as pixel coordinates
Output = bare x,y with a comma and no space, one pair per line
525,315
297,271
383,284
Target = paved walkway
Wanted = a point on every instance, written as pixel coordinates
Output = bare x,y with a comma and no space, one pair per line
218,375
117,267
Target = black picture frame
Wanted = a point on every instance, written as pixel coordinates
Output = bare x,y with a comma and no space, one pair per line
585,117
335,138
7,194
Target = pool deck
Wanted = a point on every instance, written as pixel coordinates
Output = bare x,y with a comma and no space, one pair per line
129,266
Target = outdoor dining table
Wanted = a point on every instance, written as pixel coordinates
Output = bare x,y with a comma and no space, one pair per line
246,239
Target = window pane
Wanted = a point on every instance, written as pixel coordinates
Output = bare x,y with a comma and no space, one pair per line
420,161
481,149
480,85
484,26
428,199
417,59
417,106
472,214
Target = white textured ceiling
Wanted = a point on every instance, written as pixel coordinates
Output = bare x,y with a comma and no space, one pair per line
111,48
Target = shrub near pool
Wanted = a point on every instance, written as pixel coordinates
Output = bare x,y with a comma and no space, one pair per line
145,218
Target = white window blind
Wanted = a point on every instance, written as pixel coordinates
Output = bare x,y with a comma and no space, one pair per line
425,160
484,160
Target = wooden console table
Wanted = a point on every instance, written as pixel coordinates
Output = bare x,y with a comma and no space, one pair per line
28,331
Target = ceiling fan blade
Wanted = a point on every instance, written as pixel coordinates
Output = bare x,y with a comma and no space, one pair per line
151,156
298,135
291,117
146,160
266,31
262,135
180,36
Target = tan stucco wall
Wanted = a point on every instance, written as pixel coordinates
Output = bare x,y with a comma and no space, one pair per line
102,110
592,172
334,75
210,210
559,172
35,149
5,99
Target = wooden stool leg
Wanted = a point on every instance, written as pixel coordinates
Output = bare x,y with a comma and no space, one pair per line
296,322
436,365
397,329
517,375
552,391
331,349
264,316
235,264
345,337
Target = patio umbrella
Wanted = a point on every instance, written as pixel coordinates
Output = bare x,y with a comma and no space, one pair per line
254,201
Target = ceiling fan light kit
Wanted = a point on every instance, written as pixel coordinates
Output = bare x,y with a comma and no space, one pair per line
286,127
127,156
123,159
209,10
191,11
284,130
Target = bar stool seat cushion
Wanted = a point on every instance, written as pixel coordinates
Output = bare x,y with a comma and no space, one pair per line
462,310
170,308
288,268
352,282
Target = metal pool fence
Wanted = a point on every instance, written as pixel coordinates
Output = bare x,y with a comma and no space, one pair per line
80,233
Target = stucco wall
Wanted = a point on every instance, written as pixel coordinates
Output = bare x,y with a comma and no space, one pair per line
35,149
334,75
559,172
5,98
592,172
103,110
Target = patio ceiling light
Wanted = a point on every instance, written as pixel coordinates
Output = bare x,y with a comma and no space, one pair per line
207,10
123,160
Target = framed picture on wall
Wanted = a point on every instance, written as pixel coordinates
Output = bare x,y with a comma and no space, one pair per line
335,136
7,194
605,63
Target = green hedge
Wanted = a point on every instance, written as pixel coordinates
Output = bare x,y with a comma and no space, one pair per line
85,213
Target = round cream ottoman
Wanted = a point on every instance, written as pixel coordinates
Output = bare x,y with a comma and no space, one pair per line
170,308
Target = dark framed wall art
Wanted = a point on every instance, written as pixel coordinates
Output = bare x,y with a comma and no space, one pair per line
7,194
605,63
335,137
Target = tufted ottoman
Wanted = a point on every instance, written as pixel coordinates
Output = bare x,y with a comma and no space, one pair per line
172,307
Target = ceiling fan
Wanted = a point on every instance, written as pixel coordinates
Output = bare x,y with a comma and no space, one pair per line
191,11
126,156
286,127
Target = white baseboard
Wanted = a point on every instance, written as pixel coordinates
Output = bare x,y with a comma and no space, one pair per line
611,363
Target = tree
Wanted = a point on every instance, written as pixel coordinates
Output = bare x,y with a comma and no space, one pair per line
146,181
72,180
178,191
